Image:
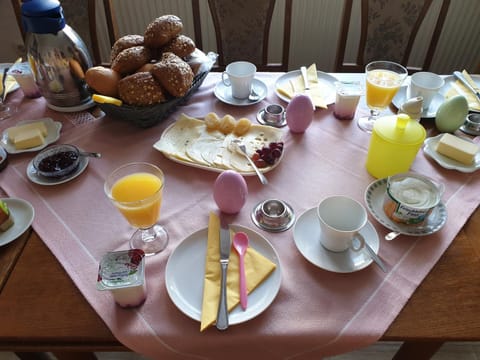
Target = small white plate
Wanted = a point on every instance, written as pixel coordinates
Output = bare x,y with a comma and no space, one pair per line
185,272
306,235
450,82
53,128
42,180
22,213
374,196
429,148
325,81
403,95
224,93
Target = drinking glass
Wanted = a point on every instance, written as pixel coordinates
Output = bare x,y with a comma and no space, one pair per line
136,190
383,79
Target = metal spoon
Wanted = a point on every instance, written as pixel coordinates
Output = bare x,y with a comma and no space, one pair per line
242,149
392,235
90,154
253,95
240,244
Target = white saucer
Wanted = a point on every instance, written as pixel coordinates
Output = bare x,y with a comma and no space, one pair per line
374,196
403,95
23,213
306,235
224,93
42,180
429,148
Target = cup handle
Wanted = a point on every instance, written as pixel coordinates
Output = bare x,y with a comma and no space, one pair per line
358,242
225,79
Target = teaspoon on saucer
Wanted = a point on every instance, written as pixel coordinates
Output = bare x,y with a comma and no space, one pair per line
392,235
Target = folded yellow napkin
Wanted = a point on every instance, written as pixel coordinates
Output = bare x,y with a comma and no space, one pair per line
297,86
10,82
257,269
460,89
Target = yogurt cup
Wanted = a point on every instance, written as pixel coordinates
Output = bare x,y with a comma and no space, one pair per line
410,197
24,77
123,274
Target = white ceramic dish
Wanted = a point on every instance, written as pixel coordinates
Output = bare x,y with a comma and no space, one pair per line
53,128
36,178
451,80
325,81
429,148
185,271
15,85
403,95
224,93
23,214
306,235
374,196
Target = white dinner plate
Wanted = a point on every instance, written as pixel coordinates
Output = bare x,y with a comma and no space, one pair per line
403,95
374,196
53,128
450,81
224,93
429,148
36,178
185,271
326,83
22,212
307,233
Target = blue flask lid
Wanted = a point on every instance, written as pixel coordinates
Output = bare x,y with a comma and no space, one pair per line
42,16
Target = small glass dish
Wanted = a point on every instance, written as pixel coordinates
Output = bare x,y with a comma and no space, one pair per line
57,161
273,215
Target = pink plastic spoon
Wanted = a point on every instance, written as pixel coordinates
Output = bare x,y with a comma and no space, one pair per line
240,244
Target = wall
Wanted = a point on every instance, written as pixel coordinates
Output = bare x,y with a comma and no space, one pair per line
315,30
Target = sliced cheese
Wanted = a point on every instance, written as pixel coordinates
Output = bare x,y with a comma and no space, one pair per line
457,149
28,139
14,131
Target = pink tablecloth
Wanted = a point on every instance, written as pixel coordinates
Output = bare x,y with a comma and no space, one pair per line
316,313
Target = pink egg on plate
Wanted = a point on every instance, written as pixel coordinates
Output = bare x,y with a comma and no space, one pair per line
230,191
299,113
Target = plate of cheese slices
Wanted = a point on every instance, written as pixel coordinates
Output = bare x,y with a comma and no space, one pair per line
212,145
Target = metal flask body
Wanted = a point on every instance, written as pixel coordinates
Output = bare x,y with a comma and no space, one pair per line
57,55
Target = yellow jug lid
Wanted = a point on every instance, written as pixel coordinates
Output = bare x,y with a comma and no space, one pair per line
400,129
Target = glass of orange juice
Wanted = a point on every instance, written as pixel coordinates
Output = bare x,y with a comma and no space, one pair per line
383,81
136,191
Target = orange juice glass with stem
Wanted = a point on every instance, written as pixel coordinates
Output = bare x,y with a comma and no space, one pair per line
383,79
136,191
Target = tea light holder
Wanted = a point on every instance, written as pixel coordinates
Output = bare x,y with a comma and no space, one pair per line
272,115
273,215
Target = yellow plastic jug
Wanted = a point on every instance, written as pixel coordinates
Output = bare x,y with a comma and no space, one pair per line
394,144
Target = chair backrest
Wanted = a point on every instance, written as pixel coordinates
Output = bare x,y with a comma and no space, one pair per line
242,30
81,15
388,31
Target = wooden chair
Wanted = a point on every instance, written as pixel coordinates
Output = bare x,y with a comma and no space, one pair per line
83,18
388,31
242,30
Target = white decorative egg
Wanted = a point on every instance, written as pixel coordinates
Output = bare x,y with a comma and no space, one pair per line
230,192
299,113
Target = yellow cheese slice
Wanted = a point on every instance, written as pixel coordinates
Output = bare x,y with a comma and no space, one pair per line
28,139
15,131
457,149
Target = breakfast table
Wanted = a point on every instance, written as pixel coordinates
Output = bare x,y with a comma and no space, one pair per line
49,300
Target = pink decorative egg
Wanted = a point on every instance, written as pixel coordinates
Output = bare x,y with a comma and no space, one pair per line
230,192
299,113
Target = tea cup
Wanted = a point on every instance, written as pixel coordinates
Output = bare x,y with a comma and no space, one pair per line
425,84
239,76
341,220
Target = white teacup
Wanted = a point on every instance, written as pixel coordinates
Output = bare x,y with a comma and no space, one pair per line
341,219
239,75
425,84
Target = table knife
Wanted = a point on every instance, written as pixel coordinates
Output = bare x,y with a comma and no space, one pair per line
225,245
460,77
303,70
375,258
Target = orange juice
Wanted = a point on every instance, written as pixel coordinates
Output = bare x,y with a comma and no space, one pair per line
382,85
138,198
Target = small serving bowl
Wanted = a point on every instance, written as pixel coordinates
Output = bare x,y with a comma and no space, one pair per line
57,161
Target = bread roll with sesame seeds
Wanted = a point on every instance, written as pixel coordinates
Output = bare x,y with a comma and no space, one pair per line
174,74
161,30
140,89
123,43
181,46
131,59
